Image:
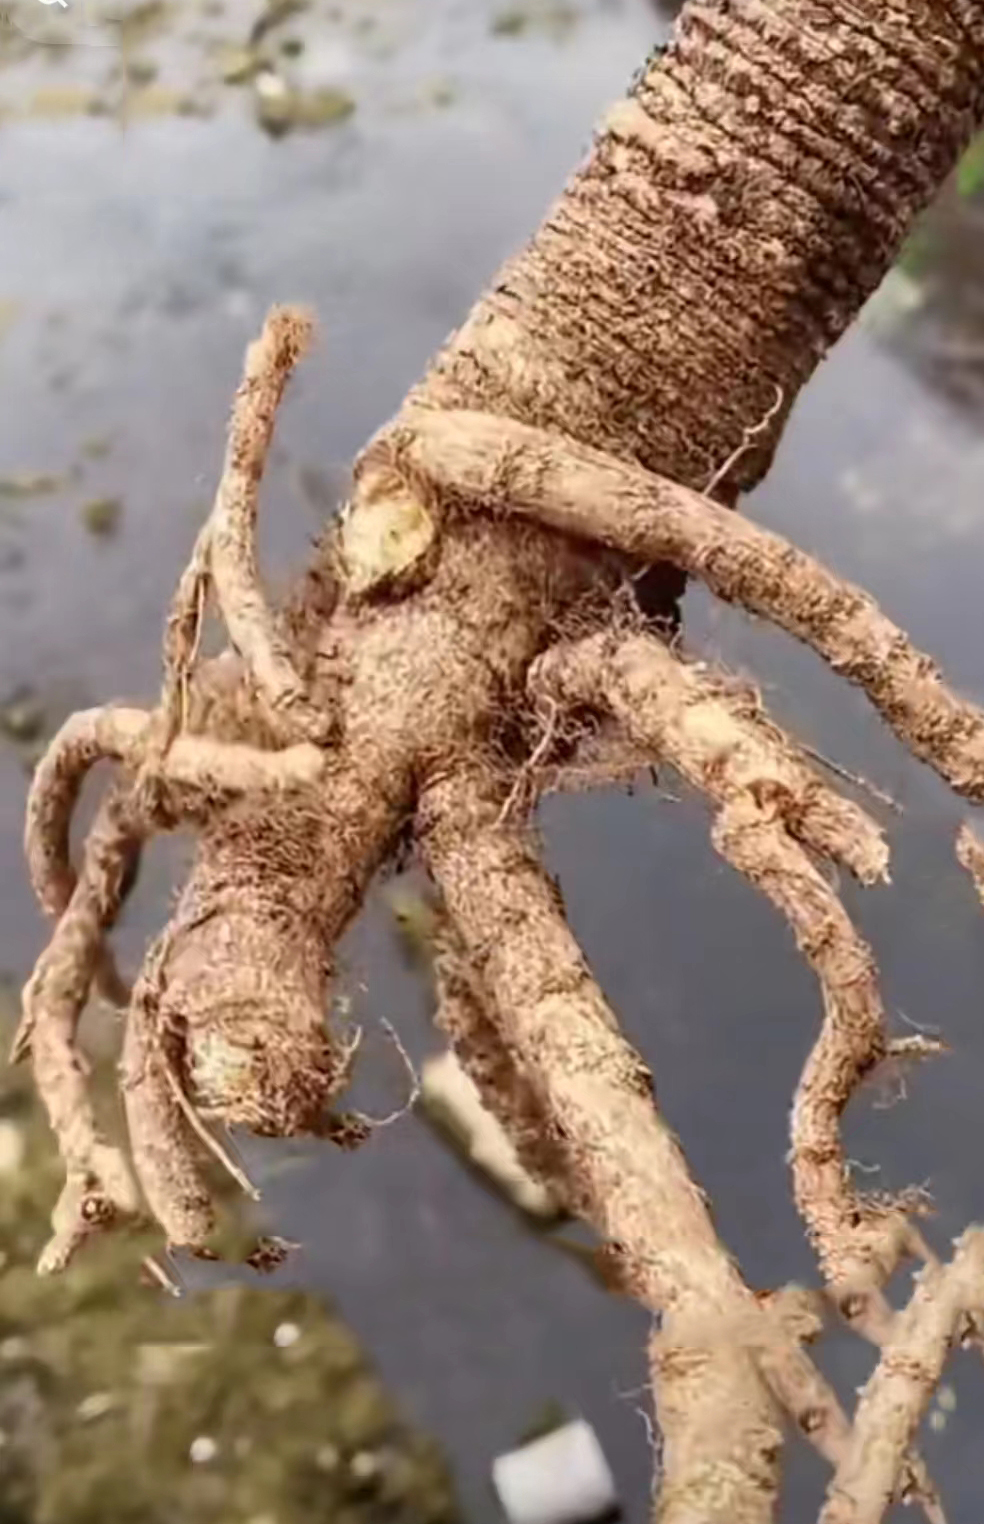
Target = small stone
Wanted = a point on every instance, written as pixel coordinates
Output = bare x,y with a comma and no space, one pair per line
365,1466
22,718
202,1450
14,1348
30,483
946,1398
937,1420
274,103
322,108
140,71
510,23
285,1335
96,1405
101,516
327,1458
239,65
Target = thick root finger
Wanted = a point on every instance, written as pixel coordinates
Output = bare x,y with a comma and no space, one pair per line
100,1185
253,629
715,735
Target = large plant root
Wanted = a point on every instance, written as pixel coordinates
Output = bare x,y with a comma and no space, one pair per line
425,714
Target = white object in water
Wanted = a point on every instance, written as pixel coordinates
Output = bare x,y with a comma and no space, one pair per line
451,1099
562,1478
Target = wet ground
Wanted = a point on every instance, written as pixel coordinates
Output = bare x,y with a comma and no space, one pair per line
147,223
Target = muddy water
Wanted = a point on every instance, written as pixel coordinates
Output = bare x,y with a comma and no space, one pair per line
140,249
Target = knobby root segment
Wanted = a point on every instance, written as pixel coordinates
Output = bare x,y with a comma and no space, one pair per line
945,1307
197,773
225,552
479,460
580,1109
690,722
99,1184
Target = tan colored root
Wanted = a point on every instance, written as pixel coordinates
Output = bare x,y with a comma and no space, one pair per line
859,1240
505,466
701,731
690,724
598,1132
970,855
99,1185
463,1014
226,548
716,735
898,1392
161,1140
198,772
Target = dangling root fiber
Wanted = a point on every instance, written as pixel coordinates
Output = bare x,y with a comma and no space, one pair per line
99,1185
225,553
480,460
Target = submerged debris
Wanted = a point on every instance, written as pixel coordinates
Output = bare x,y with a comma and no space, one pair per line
280,107
22,717
562,1478
102,516
20,484
452,1102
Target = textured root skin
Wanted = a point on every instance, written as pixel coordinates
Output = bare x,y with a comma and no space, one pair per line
620,1166
474,459
764,795
715,735
99,1185
857,1241
246,972
231,530
161,1142
517,999
970,855
896,1395
198,773
462,1014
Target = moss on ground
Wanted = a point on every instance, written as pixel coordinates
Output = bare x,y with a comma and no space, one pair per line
232,1406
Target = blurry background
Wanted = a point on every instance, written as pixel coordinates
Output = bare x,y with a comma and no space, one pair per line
167,171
